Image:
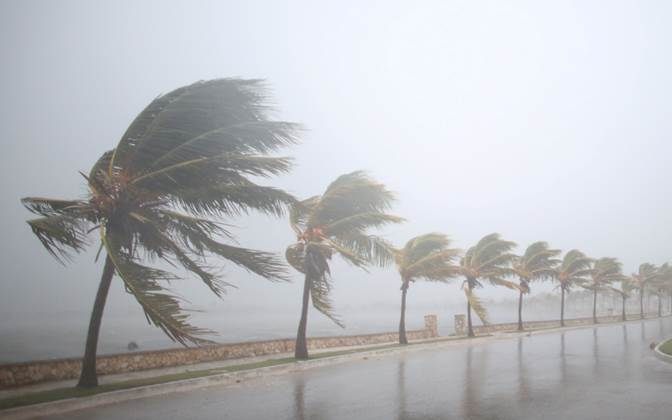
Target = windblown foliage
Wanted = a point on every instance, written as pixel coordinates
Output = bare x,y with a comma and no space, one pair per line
337,223
646,275
536,264
489,259
185,159
604,272
574,270
427,257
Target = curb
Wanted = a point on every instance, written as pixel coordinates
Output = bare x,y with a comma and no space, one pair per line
659,354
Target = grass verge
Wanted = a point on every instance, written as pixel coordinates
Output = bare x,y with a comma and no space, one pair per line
67,393
666,347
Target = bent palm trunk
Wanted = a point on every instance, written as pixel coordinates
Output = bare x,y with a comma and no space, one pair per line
470,328
520,311
402,320
301,347
595,306
562,306
88,378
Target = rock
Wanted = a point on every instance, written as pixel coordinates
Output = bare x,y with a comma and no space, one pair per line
132,345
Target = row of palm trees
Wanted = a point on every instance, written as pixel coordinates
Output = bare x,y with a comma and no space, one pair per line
185,164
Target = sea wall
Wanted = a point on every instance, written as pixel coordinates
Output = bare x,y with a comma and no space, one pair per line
19,374
461,324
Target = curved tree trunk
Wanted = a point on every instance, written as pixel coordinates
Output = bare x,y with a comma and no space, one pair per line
520,311
595,306
301,347
470,328
402,320
624,318
88,378
562,307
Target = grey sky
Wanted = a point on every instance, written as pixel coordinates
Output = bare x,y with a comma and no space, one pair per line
538,120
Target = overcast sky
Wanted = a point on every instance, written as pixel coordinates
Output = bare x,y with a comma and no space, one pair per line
539,120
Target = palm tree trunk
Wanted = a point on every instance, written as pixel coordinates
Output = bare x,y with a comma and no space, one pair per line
660,305
402,320
301,347
641,303
562,307
88,377
595,306
624,319
520,311
470,328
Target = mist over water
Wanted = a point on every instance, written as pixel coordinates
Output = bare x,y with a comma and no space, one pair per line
63,334
538,120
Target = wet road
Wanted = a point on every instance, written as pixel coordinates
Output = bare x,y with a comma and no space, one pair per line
607,372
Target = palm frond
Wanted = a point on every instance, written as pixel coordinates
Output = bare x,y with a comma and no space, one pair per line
359,222
295,256
161,308
203,119
232,200
371,248
299,213
61,235
350,194
476,305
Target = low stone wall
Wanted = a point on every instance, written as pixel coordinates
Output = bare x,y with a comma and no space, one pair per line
461,325
19,374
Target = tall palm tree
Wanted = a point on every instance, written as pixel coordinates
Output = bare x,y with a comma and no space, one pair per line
183,160
536,264
646,274
336,223
572,271
604,272
625,291
425,257
665,277
489,259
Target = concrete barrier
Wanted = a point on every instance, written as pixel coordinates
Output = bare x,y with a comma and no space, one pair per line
461,326
27,373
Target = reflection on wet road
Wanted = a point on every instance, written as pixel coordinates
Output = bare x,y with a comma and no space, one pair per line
607,372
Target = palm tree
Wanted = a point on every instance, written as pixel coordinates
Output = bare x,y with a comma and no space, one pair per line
425,257
183,160
604,272
625,291
336,223
572,271
665,276
489,259
661,284
536,264
645,275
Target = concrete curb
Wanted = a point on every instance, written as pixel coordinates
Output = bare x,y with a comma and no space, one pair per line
659,354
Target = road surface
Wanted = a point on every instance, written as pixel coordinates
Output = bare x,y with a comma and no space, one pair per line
607,372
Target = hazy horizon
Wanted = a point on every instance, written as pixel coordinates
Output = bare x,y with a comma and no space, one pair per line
540,121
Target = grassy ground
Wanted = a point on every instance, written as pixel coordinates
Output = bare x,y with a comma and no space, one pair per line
65,393
667,347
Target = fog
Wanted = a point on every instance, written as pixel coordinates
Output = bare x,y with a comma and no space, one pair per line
538,120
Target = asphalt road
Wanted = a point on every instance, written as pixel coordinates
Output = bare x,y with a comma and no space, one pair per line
607,372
